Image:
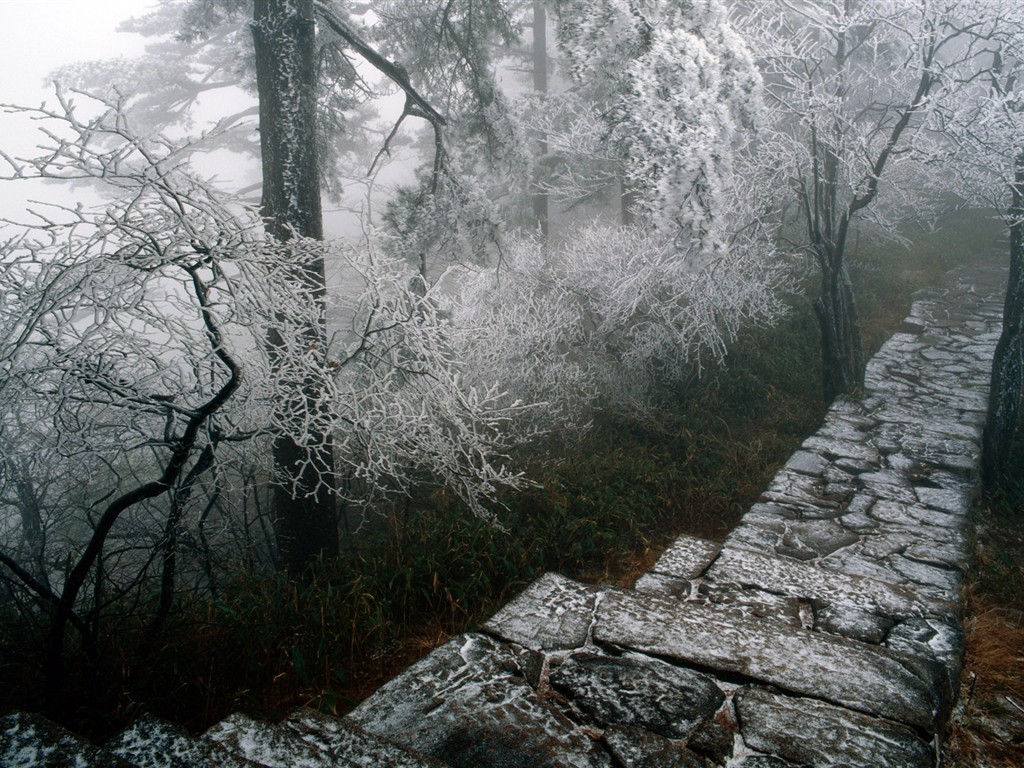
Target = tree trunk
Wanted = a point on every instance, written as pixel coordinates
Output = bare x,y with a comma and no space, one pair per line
842,353
1007,383
284,34
540,85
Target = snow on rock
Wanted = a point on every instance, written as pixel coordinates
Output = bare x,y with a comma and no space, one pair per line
266,744
553,612
637,690
870,679
634,747
351,746
686,558
153,743
842,591
469,704
32,741
809,732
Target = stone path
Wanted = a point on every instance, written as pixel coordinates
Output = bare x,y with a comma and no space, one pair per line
825,630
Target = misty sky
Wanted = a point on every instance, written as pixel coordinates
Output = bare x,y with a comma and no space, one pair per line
36,37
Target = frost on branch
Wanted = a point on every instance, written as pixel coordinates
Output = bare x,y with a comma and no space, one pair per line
676,86
610,315
120,324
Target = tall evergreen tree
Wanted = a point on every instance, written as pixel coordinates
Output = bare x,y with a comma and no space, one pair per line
284,34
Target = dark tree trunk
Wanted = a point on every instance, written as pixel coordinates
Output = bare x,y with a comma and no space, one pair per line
1007,383
842,353
540,85
284,34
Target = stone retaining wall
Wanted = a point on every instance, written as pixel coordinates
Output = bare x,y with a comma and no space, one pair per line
825,630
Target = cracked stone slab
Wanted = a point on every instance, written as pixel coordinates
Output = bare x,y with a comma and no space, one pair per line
810,582
807,463
895,513
870,679
637,690
809,732
944,579
468,704
552,613
686,558
667,586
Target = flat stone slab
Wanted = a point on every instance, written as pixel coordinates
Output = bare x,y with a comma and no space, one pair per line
801,580
870,679
808,732
638,690
552,613
686,558
468,704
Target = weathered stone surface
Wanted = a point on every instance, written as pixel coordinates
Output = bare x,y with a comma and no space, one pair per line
660,584
468,705
811,732
744,602
765,761
351,746
867,678
851,623
552,613
807,463
266,744
634,747
638,690
715,738
941,639
944,579
153,743
687,557
810,582
32,741
894,513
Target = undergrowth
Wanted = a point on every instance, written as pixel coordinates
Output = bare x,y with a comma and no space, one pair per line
602,513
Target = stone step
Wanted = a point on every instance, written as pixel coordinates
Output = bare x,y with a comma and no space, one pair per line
875,680
266,744
478,702
308,739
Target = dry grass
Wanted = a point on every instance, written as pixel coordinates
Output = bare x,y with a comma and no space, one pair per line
988,723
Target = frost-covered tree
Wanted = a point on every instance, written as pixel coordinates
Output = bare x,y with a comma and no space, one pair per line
133,350
985,129
850,85
610,316
675,87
